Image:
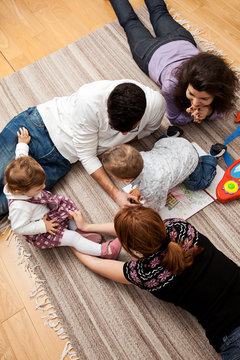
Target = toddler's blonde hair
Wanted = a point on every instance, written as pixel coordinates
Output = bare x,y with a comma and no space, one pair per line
123,161
24,173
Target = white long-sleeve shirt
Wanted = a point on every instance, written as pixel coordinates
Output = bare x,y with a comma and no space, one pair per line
79,126
168,164
25,217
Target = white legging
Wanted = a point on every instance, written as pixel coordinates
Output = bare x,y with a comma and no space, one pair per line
80,243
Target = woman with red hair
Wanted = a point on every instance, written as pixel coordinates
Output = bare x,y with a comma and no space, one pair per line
178,264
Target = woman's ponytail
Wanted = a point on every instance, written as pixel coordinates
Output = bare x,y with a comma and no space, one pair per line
177,259
142,233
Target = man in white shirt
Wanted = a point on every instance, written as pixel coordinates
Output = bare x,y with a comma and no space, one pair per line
82,126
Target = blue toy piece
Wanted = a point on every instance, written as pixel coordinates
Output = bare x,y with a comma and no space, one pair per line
226,156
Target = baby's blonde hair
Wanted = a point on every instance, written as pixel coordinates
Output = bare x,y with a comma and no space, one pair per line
23,174
123,161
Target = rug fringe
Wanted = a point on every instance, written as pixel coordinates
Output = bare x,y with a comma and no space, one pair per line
204,44
38,293
67,351
6,231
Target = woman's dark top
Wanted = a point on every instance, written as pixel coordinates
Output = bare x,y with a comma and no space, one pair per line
209,289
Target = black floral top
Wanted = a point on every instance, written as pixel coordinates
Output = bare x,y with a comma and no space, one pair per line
149,274
209,289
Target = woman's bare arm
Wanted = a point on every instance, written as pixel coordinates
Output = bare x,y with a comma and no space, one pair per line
104,228
110,269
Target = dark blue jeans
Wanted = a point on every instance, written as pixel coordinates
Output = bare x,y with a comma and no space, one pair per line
41,148
142,43
230,349
203,175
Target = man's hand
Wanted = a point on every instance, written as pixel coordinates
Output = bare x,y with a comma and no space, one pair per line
124,199
199,114
120,197
23,136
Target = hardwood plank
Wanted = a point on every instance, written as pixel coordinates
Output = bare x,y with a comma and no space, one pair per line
9,298
6,352
23,337
23,286
18,12
32,30
210,19
5,67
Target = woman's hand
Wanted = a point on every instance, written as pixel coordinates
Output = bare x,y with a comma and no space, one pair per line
104,228
199,114
79,220
23,136
51,225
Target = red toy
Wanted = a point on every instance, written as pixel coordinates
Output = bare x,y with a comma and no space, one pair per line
237,116
228,188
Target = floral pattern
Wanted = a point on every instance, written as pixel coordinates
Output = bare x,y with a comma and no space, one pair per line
148,273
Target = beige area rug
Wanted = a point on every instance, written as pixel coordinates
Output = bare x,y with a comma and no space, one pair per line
105,320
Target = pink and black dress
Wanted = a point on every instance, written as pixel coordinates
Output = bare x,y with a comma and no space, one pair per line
58,209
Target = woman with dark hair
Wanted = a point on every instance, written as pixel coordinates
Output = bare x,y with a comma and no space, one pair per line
177,264
196,86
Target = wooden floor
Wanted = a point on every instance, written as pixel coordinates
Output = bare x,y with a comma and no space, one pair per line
30,30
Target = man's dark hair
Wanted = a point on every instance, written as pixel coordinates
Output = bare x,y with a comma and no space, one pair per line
126,106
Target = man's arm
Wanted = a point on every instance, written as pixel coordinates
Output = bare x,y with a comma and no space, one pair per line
120,197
